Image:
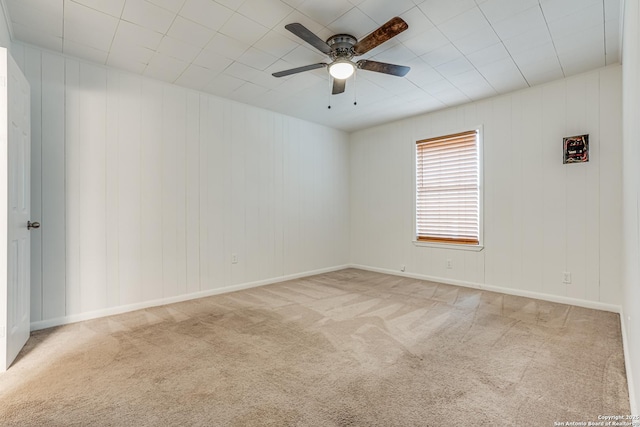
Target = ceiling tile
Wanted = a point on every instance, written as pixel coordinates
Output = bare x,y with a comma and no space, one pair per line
424,76
396,55
523,21
477,40
178,49
247,92
417,21
528,39
128,33
212,61
498,10
442,55
253,75
439,11
395,85
43,16
326,11
206,12
131,52
383,10
503,75
223,84
575,42
88,26
294,3
125,64
190,32
244,29
265,12
147,15
165,68
612,40
256,58
28,35
302,56
83,51
472,76
276,44
231,4
171,5
539,63
455,67
231,47
110,7
582,50
241,71
556,9
426,42
451,97
302,81
478,90
493,53
355,23
586,18
297,16
225,46
195,77
464,24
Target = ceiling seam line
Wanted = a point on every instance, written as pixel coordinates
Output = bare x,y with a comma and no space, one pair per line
553,43
501,42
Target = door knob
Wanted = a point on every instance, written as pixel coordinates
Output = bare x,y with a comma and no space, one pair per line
31,225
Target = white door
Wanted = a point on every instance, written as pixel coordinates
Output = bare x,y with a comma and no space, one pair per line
15,184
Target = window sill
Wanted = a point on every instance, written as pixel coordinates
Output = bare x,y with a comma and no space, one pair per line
457,247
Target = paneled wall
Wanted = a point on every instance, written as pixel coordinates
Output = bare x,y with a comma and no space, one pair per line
631,189
541,218
145,190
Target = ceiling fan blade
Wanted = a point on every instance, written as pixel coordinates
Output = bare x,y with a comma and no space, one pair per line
299,69
387,31
338,86
305,34
383,67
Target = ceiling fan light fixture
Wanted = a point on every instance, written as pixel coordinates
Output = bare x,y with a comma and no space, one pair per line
342,69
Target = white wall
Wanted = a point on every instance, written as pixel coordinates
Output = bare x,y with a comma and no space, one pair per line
144,190
541,217
5,38
631,186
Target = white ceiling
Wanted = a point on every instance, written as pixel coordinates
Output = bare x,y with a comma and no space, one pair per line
458,50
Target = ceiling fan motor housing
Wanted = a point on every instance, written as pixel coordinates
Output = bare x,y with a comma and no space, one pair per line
341,46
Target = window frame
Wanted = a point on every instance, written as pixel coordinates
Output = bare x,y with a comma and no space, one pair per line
452,245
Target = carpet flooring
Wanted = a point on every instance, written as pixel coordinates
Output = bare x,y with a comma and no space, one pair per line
348,348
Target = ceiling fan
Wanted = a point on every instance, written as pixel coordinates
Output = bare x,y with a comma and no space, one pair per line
341,48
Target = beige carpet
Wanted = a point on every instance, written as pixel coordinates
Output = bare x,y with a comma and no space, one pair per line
350,348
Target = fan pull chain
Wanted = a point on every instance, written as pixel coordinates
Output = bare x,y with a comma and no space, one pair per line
355,89
330,90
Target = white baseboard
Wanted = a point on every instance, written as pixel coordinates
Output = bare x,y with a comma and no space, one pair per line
518,292
627,364
58,321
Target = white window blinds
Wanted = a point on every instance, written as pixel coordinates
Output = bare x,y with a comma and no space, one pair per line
447,189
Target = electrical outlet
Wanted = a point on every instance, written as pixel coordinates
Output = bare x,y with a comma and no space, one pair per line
234,258
449,264
566,277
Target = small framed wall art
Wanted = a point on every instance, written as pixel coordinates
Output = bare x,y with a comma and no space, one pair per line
575,149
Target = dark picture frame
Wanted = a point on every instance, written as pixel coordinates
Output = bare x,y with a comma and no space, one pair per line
575,149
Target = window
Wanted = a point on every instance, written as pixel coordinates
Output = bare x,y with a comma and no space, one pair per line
448,189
